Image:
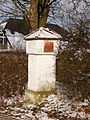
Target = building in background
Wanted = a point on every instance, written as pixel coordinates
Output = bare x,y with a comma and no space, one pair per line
15,29
5,45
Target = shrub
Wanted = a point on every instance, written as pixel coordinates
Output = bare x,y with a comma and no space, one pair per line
73,68
13,73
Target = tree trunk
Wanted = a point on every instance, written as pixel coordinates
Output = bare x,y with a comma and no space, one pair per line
38,13
44,15
33,14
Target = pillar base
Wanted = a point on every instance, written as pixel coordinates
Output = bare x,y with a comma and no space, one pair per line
32,97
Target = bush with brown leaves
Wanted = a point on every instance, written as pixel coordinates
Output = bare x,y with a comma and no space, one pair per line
73,68
13,73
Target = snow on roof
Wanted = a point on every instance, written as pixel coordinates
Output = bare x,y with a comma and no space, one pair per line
2,25
22,27
43,33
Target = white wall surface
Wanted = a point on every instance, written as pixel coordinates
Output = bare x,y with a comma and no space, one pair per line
41,72
37,46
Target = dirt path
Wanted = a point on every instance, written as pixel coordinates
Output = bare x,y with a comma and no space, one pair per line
5,117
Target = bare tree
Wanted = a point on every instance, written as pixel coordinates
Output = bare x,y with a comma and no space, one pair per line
34,11
74,67
67,13
13,9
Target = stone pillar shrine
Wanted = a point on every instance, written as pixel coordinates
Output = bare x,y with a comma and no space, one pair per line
42,48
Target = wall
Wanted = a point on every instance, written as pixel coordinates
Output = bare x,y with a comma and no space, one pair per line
41,72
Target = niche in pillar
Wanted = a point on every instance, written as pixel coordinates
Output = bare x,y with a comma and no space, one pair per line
48,46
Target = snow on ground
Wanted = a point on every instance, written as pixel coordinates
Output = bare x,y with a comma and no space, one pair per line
54,107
